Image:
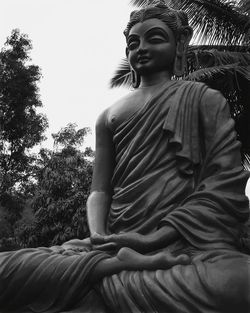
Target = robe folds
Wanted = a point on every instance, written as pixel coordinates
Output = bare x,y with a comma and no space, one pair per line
177,162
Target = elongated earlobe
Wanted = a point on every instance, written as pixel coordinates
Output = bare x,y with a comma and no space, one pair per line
135,78
181,51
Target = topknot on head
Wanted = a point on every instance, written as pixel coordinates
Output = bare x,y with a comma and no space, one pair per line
174,19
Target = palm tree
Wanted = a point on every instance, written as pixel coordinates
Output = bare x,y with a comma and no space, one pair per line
219,55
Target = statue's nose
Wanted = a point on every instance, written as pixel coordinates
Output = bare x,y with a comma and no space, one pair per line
142,47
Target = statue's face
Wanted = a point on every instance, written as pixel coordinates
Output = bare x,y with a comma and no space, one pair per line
151,47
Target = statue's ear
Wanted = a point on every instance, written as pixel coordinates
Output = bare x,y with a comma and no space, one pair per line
135,78
184,38
126,51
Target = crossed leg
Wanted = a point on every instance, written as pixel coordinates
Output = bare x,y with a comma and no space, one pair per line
128,259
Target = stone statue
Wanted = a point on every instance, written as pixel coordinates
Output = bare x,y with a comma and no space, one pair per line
167,205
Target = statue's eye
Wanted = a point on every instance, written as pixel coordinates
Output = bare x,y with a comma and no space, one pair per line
156,39
157,35
133,44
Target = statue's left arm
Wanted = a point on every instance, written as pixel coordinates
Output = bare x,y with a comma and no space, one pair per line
212,215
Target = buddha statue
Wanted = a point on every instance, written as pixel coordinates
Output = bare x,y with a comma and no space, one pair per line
167,203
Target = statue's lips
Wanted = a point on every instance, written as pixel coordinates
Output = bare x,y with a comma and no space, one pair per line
143,60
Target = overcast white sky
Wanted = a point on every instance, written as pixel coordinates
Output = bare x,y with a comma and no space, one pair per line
78,44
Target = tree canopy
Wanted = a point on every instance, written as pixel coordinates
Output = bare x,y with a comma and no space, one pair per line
21,127
63,182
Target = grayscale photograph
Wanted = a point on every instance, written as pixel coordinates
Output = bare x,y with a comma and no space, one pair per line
124,156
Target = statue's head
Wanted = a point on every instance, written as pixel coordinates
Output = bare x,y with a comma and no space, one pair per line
157,39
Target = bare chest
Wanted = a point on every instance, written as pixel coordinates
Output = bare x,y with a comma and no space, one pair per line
125,109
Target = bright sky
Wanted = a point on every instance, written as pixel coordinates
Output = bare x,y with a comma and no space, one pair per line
78,44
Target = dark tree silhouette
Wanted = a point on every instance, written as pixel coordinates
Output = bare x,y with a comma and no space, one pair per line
21,128
63,186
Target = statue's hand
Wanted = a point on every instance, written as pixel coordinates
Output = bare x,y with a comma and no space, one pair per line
86,245
132,240
77,244
140,243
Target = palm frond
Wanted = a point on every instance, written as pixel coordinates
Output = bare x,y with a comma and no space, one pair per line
244,6
246,161
212,73
232,80
228,57
233,48
122,75
215,21
199,58
141,3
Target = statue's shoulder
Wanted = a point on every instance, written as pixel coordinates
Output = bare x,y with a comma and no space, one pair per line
125,100
210,102
113,109
123,108
207,95
191,84
199,97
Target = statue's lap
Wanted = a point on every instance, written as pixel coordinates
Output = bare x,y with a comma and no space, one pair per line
216,281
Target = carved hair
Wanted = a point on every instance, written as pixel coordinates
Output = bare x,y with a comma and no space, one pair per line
176,20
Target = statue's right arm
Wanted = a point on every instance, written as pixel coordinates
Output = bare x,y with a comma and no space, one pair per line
99,200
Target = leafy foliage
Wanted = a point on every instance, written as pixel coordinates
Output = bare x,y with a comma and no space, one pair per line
216,21
21,127
63,185
212,74
11,208
42,196
244,7
122,76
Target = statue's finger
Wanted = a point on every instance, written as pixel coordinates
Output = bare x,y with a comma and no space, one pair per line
110,238
97,239
106,246
183,259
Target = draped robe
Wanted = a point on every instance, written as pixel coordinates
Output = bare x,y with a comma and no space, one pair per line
177,163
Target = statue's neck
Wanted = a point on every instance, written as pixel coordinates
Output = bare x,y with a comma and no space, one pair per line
154,79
